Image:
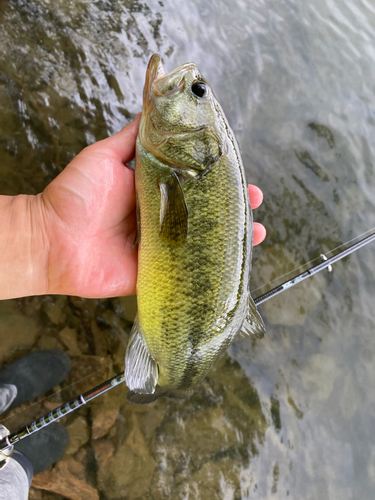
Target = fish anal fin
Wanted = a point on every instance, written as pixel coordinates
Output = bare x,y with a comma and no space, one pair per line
253,325
173,211
141,369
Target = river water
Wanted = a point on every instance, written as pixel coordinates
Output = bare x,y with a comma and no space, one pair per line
292,415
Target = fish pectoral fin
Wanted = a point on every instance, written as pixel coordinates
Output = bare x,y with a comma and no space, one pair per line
173,211
253,324
141,369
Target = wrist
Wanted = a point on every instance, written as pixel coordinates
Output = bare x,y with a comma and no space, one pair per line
24,247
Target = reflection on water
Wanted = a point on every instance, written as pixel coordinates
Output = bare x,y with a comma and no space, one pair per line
290,416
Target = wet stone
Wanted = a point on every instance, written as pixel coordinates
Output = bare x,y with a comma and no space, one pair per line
148,420
61,481
302,299
205,430
68,337
30,305
88,372
79,434
118,354
104,450
49,342
130,470
50,404
81,455
105,412
214,481
102,423
241,400
54,308
319,376
35,494
86,307
118,326
75,467
100,340
16,330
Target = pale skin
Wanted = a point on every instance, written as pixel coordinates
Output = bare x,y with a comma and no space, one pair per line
77,237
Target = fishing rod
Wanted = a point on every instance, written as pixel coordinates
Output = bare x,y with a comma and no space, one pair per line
9,441
326,263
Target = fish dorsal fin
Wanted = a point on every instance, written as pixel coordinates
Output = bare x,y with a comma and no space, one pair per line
141,370
253,325
173,211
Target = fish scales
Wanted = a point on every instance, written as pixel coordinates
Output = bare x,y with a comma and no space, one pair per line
193,285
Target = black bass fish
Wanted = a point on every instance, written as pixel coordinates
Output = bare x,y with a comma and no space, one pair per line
195,235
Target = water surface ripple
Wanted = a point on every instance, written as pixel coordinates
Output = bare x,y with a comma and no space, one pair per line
291,416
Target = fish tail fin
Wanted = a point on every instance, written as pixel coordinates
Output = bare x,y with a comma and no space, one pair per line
142,399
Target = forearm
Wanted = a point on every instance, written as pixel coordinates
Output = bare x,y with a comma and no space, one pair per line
23,247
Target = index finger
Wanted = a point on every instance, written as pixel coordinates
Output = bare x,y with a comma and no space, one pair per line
121,145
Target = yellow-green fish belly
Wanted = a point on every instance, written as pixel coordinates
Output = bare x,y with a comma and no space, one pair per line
192,298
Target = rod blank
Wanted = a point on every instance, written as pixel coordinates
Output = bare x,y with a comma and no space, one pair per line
76,403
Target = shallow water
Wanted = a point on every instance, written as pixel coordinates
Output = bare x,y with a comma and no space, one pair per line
292,415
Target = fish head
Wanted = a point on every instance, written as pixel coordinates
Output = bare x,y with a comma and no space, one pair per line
182,122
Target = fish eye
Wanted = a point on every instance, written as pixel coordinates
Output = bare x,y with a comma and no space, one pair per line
199,89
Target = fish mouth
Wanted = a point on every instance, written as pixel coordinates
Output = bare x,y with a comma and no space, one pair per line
161,84
154,71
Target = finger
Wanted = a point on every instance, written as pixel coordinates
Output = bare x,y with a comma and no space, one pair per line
122,144
259,233
255,195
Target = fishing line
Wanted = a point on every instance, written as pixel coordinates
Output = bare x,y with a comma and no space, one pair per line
40,401
299,268
54,415
120,336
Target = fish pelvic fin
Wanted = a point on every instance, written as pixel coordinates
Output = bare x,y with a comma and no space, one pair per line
142,399
173,211
141,369
253,325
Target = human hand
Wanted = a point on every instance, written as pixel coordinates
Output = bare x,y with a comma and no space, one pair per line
89,213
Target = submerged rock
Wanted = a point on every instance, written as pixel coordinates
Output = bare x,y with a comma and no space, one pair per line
79,434
62,482
16,330
68,337
102,422
103,450
319,376
54,308
129,472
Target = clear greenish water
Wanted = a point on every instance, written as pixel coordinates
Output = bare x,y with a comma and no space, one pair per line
290,416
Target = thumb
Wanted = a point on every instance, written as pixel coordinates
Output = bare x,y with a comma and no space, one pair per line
122,144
